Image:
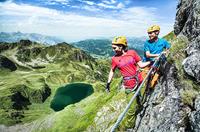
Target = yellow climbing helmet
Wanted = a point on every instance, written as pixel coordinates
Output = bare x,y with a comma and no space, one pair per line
153,28
120,40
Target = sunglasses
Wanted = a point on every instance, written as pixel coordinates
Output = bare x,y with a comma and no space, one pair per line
152,32
114,48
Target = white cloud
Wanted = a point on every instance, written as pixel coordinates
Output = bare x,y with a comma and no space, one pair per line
142,14
86,7
107,6
109,1
120,6
104,4
70,26
88,2
90,8
75,6
56,2
111,4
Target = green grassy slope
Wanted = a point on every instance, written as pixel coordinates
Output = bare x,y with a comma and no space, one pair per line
26,93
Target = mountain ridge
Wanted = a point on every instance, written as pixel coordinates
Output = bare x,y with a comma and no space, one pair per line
102,47
96,47
17,36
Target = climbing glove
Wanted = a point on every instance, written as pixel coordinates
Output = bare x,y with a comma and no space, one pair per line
108,87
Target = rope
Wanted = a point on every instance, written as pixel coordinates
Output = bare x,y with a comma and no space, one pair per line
121,116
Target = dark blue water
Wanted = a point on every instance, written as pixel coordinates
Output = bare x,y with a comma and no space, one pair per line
70,94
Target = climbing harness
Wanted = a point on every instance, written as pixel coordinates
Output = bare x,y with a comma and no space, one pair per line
128,90
134,76
129,78
121,116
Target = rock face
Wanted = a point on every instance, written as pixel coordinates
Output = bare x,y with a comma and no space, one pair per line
195,116
188,19
163,110
188,24
191,64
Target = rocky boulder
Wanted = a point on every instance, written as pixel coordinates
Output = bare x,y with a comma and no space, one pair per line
191,65
193,47
195,116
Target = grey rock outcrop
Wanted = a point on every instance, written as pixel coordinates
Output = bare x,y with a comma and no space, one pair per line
193,47
163,111
188,19
188,24
191,65
195,116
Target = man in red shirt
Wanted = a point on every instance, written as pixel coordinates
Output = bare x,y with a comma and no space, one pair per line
127,61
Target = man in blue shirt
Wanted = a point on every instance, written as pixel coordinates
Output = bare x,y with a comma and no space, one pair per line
154,46
152,49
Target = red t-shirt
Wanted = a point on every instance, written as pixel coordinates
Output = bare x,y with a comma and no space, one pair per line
127,66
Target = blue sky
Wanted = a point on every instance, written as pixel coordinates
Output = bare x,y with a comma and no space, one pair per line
75,20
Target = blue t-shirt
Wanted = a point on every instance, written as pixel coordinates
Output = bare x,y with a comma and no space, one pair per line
155,47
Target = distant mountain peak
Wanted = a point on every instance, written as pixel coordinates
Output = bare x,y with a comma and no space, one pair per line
11,37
